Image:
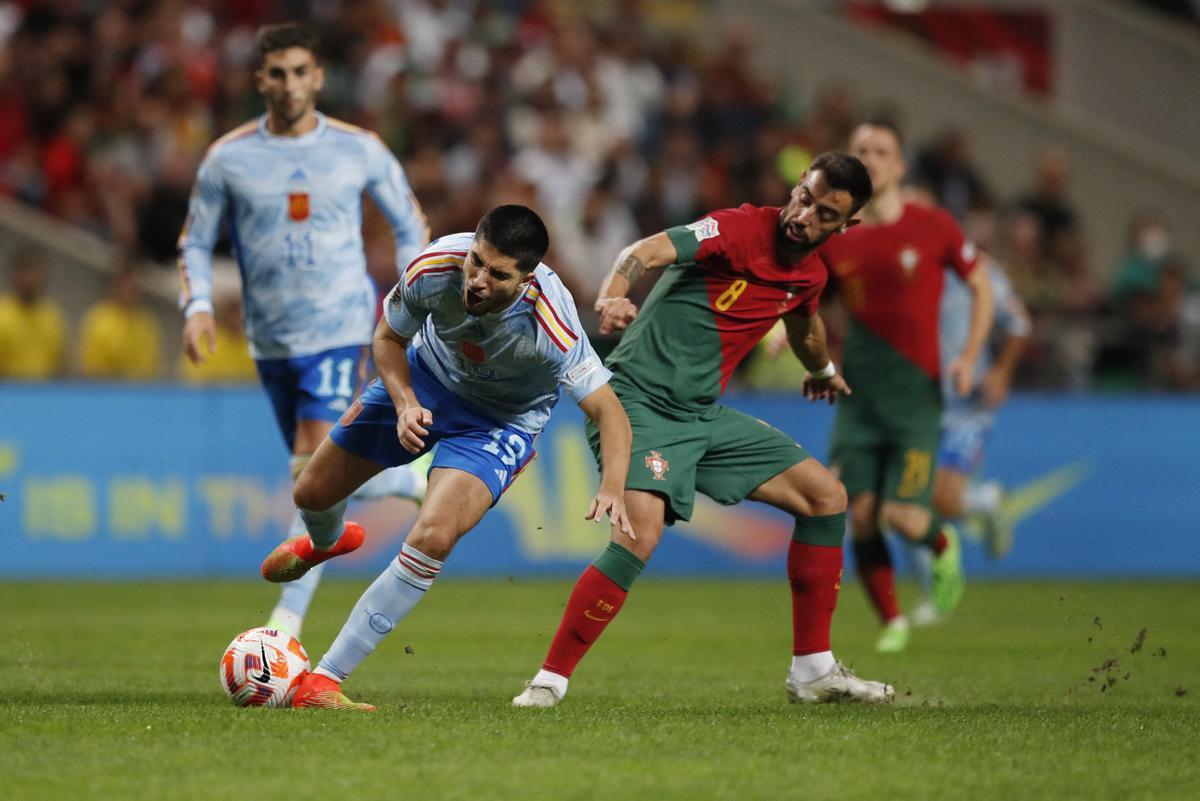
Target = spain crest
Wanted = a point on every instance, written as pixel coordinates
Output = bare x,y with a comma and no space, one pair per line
298,206
658,465
473,351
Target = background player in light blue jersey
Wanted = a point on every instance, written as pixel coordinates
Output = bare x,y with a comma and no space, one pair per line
476,341
290,186
967,420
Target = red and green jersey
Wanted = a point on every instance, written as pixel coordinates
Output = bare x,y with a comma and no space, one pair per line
891,281
729,285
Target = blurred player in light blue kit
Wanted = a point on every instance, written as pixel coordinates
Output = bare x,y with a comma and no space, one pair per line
476,341
290,186
958,495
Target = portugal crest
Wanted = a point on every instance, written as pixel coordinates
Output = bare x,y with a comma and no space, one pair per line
658,465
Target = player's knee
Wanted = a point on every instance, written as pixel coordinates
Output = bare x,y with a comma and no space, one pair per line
910,522
828,499
643,547
949,504
433,539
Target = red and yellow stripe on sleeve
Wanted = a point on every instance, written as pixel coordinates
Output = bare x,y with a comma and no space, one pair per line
549,319
442,261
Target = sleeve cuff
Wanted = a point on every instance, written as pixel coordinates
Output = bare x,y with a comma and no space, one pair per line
686,243
196,306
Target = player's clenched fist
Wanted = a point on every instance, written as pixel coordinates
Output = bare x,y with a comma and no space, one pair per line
410,427
615,314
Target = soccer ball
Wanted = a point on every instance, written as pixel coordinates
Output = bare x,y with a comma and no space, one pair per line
262,667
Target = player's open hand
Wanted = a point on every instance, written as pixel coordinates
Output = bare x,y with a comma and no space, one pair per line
828,389
200,329
612,503
616,314
410,427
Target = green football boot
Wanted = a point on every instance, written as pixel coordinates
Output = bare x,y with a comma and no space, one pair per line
948,580
896,634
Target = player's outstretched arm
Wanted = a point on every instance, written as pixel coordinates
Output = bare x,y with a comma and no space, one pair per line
616,310
616,441
806,335
391,360
962,368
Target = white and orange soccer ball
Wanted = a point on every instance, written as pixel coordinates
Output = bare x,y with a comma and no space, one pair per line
262,667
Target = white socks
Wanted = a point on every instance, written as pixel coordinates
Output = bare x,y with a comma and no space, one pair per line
810,667
295,596
983,498
386,602
324,528
555,682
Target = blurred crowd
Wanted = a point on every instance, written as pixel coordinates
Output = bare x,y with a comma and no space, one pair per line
612,123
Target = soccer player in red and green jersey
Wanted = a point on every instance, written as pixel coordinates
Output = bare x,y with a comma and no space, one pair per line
729,277
885,437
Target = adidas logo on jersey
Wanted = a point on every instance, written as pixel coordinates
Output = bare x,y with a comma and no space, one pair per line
338,405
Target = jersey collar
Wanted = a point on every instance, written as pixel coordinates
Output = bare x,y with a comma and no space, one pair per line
293,141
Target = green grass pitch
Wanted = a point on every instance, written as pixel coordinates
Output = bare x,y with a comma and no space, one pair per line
1035,690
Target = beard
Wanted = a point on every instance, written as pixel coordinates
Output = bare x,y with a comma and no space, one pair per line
798,249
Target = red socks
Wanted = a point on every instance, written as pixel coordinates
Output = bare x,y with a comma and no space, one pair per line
936,540
598,596
874,565
593,603
815,573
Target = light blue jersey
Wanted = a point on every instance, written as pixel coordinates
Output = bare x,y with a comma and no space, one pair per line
509,364
1011,319
295,213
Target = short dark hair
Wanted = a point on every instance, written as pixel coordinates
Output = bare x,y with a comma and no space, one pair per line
888,124
845,172
517,232
282,36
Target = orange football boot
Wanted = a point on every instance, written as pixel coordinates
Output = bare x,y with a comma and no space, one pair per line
321,692
292,558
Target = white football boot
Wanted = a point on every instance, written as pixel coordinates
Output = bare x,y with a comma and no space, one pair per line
839,684
537,695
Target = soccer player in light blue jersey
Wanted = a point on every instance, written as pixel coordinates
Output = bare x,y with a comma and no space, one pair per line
290,186
967,420
477,341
